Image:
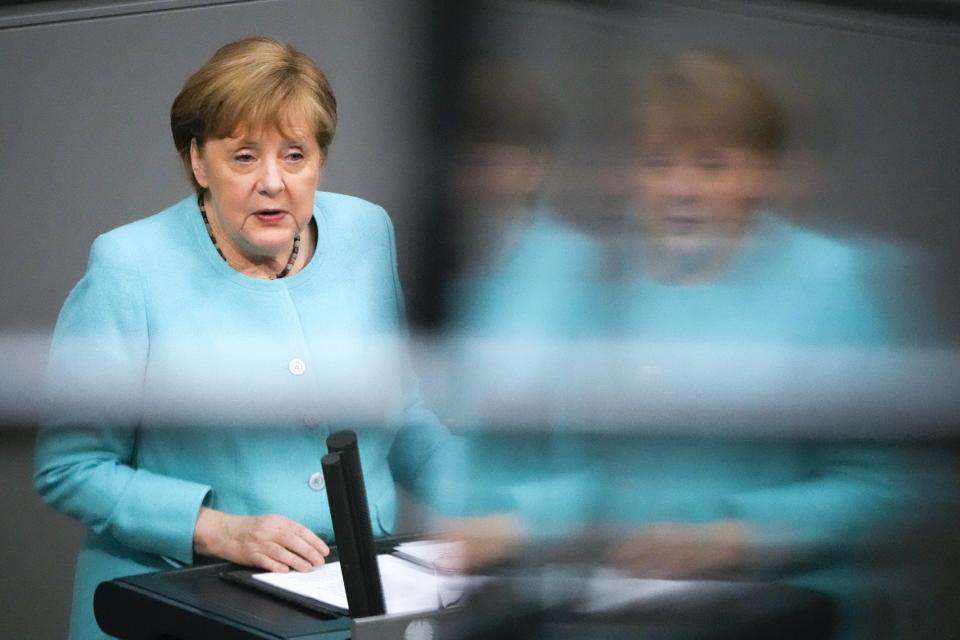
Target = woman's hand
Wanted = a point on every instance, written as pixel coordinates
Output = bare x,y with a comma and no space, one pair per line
669,550
485,540
270,542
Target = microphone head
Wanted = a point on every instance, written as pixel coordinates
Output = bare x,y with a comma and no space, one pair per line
341,441
330,460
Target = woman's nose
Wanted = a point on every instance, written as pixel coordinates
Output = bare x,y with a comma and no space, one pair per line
270,180
682,183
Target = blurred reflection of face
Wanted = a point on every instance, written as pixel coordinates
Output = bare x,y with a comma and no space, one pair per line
698,196
495,185
498,179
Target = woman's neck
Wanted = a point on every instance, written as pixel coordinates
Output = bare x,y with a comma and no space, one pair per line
691,267
267,267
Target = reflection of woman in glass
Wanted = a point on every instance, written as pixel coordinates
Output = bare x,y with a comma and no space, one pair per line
714,278
710,141
520,285
712,136
518,262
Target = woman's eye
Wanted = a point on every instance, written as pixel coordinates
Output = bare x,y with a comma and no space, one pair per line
656,160
712,162
295,156
244,157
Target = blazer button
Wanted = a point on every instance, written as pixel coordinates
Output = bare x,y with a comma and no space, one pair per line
316,481
297,366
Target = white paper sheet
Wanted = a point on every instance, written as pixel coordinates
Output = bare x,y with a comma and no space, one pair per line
410,587
407,587
608,590
426,552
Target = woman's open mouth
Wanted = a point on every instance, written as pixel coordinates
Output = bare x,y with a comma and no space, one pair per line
270,215
683,225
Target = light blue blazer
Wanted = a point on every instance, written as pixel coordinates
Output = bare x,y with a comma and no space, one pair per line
538,294
817,509
175,381
786,289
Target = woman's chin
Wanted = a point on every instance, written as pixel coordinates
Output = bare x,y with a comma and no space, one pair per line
275,243
687,243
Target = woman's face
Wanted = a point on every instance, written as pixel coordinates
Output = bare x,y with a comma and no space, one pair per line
498,178
261,188
695,194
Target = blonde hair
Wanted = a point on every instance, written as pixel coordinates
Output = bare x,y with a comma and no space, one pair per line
707,95
254,82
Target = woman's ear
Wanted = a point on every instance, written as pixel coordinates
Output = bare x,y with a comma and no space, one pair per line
197,165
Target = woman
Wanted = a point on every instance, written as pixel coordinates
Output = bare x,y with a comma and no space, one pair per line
716,287
253,303
520,288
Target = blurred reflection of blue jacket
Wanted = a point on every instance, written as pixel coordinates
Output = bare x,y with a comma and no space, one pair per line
785,286
533,285
510,321
809,504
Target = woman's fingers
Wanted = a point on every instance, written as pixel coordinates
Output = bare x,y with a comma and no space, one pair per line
313,540
272,542
284,541
486,540
263,561
660,550
634,552
675,550
281,554
298,542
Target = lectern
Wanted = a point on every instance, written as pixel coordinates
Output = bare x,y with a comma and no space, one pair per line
196,604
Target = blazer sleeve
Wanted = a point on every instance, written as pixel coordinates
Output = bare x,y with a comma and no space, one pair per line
85,451
857,495
423,448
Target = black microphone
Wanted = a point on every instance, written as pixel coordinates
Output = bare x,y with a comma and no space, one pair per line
343,445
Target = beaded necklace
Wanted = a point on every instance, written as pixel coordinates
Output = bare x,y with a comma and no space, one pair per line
293,254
